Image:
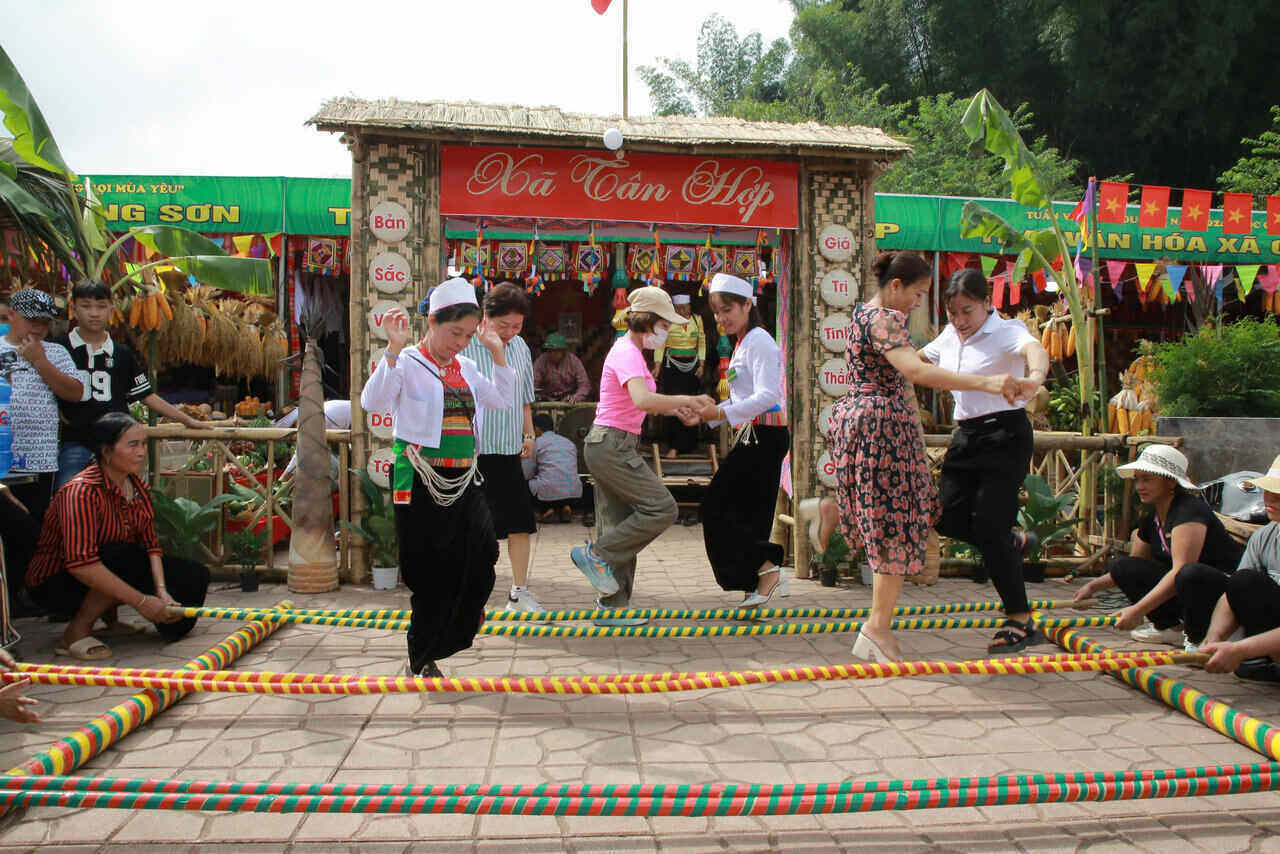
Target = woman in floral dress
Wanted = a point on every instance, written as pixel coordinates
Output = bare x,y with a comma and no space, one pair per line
885,494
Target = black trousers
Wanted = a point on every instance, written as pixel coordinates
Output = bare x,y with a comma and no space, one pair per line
21,528
1254,597
1199,587
984,468
737,510
681,438
186,581
447,556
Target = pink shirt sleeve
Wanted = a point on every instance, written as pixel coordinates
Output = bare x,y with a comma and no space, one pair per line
629,364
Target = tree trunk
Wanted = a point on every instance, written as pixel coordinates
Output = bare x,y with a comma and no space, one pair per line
313,558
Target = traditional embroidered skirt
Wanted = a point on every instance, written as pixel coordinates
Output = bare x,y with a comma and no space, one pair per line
737,512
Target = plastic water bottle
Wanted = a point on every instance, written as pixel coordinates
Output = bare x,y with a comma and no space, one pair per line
6,431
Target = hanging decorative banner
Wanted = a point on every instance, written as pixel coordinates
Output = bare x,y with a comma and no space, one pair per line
681,263
513,258
826,470
389,221
379,468
469,260
322,256
553,260
988,264
640,260
833,377
380,424
835,242
833,332
838,289
480,180
588,259
711,260
389,272
1245,276
824,419
744,263
378,315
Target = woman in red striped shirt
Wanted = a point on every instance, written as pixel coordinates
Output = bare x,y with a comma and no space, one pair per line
98,547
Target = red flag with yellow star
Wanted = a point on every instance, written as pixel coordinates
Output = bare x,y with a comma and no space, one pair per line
1237,213
1112,198
1273,214
1195,210
1155,207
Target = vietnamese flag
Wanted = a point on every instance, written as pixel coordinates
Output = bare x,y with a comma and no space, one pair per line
1112,199
601,6
1155,207
1237,213
1195,210
1273,214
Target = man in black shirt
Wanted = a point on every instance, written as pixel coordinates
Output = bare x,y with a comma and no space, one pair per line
112,376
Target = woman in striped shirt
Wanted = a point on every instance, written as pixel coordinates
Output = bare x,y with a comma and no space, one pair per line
447,545
98,547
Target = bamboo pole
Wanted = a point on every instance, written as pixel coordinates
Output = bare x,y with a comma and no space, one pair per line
344,510
357,308
802,344
271,504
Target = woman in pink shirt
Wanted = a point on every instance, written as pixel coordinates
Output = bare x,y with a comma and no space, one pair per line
632,505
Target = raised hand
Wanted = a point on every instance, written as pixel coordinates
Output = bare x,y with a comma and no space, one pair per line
396,324
487,335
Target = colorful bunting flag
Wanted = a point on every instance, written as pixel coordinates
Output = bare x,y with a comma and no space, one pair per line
997,291
988,264
1273,214
1195,210
1112,201
1015,292
1039,280
1237,213
1245,275
1145,272
1270,279
1176,273
1211,273
1115,272
1155,207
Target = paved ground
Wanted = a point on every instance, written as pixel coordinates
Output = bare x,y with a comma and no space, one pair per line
788,733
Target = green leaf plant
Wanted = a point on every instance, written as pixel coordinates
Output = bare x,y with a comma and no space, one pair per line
379,528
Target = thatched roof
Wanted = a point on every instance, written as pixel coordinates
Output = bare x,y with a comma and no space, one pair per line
470,122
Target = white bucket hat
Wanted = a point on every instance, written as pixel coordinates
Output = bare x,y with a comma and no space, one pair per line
1164,460
1269,482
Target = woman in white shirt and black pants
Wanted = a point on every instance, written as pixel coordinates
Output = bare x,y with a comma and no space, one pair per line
737,512
990,451
443,527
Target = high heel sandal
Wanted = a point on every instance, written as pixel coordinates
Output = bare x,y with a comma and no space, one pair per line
755,598
867,649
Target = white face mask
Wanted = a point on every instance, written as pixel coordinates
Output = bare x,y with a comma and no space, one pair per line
655,339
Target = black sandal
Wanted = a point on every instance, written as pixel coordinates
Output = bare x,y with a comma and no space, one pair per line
1009,642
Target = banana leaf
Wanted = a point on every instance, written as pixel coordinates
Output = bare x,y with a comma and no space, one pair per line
201,258
989,126
32,139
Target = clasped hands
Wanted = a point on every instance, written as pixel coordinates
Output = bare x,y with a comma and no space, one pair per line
1012,389
696,409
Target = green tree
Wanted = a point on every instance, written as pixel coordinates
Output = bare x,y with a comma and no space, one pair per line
1259,171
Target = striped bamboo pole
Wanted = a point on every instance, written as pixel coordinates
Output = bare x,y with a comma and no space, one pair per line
746,800
526,630
320,684
501,615
1252,733
77,748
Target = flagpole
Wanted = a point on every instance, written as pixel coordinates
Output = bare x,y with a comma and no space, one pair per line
1091,223
624,59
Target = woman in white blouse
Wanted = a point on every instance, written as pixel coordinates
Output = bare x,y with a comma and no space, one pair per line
447,545
737,511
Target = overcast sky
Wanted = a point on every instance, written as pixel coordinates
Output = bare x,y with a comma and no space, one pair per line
223,88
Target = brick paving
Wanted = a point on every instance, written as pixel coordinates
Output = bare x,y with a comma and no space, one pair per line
821,732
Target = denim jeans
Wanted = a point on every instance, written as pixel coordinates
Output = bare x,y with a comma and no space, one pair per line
73,458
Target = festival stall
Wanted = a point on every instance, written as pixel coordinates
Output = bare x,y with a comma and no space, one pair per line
536,196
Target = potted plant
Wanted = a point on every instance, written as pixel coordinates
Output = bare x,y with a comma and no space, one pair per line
181,522
244,547
379,531
1041,516
837,553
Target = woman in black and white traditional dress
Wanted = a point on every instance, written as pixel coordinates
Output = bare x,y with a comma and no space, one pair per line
737,511
447,545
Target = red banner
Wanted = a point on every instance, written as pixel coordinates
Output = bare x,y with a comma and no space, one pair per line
554,183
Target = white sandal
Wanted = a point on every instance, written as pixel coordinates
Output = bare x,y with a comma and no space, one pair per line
755,598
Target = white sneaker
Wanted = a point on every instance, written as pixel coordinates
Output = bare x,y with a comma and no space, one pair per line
524,601
1164,637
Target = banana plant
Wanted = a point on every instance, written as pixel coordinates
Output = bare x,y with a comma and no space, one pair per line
36,189
990,128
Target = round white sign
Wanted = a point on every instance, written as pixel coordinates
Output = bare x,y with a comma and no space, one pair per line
838,288
389,272
374,358
389,221
835,242
379,468
833,331
824,419
380,424
826,470
832,377
378,314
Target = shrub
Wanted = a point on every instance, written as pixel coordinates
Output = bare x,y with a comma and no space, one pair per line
1229,371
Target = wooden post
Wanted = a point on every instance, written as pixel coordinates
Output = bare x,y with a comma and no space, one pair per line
344,508
271,503
802,412
357,309
222,512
